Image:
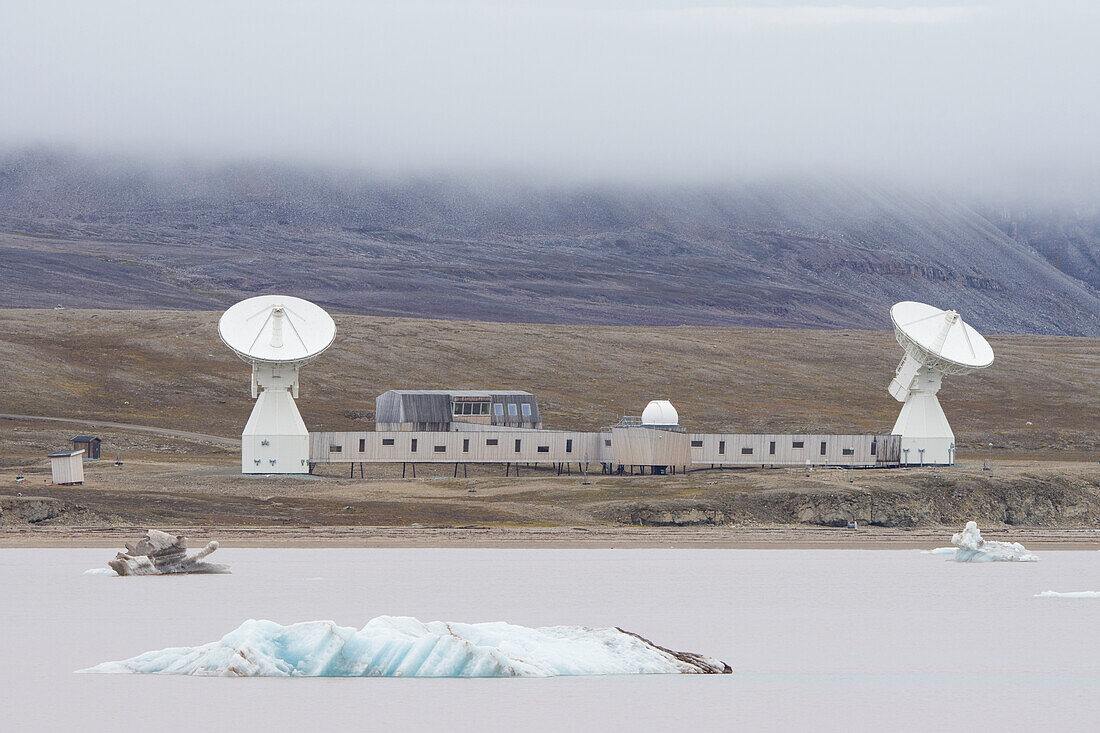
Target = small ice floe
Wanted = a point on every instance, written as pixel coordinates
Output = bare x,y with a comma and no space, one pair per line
1070,594
972,548
393,646
100,571
160,553
940,551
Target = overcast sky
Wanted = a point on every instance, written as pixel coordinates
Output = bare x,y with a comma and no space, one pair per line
636,90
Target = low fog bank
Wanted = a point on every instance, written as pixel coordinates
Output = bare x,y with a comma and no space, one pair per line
915,91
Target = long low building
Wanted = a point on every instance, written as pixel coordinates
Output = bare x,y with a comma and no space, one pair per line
504,427
617,447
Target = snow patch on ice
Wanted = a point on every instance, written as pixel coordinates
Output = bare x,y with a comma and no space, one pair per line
100,571
972,548
1071,594
391,646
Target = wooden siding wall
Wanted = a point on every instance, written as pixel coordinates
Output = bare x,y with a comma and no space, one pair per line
520,420
649,447
743,449
430,411
397,407
67,469
585,447
629,446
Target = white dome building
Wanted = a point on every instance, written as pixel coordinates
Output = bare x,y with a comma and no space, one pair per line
660,414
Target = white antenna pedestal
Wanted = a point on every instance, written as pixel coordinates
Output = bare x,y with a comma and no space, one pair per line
927,437
276,334
936,342
275,439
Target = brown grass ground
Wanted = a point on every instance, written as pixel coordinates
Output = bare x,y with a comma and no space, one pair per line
169,369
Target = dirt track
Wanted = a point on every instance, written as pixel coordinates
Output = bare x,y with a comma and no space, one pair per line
167,432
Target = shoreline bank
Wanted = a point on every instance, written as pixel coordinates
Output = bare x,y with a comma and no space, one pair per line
774,538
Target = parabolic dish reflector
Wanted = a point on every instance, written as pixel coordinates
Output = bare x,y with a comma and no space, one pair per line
276,328
941,334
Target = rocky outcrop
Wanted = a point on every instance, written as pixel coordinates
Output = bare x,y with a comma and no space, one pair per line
1045,502
32,510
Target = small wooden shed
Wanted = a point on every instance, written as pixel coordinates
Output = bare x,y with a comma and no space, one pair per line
67,467
89,444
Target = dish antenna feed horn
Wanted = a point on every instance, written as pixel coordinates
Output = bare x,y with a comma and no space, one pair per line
936,342
276,334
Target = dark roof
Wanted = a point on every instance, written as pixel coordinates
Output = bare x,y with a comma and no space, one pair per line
65,453
464,392
85,439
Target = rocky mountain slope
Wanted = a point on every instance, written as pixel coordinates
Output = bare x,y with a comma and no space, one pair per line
85,233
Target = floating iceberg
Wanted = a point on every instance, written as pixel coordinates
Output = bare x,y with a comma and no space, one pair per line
160,553
391,646
940,551
972,548
1071,594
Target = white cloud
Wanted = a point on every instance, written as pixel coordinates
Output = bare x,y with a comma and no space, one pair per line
745,18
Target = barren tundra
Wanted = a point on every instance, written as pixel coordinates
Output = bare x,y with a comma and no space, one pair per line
185,398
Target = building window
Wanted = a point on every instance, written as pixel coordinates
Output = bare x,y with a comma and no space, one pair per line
362,444
440,449
336,449
511,409
798,444
721,447
492,441
771,448
470,408
569,445
746,451
498,409
387,441
849,451
607,443
517,445
823,447
465,445
413,449
696,444
526,409
544,449
874,447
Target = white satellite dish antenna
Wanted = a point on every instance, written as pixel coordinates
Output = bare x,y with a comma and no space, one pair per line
276,334
936,342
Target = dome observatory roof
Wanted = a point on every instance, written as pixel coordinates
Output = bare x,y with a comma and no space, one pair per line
660,412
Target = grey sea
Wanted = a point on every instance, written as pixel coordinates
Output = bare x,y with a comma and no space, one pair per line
829,640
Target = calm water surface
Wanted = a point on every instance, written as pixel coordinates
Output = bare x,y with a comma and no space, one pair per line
819,640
